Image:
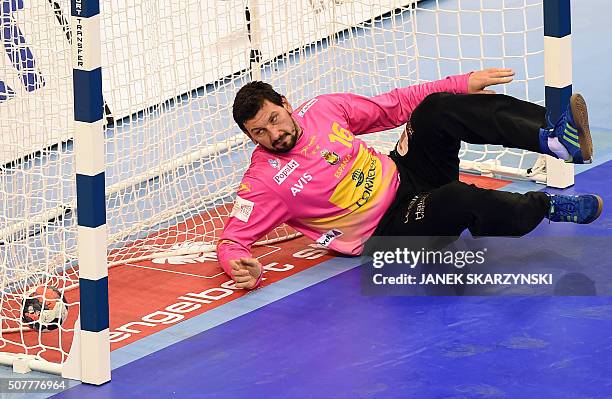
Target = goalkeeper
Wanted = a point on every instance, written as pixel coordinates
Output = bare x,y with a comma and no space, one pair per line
311,170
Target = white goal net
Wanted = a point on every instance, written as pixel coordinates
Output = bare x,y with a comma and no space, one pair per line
174,156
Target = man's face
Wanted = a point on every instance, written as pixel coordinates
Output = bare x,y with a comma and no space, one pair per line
273,127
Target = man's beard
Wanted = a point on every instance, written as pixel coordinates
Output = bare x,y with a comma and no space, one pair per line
292,141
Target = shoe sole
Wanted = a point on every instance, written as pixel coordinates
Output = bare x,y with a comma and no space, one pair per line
599,209
581,117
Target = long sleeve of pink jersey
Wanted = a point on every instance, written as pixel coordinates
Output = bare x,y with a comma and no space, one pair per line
393,109
256,212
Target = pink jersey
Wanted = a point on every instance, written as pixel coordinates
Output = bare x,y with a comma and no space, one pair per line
331,186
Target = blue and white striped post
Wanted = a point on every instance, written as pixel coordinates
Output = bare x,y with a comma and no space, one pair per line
91,200
557,78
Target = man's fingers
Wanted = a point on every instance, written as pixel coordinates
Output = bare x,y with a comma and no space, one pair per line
249,261
497,81
241,272
504,80
248,284
242,279
242,263
499,71
503,72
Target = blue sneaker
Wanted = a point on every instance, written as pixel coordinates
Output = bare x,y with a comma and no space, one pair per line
580,209
572,130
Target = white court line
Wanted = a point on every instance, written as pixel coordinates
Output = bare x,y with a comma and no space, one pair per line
275,249
173,271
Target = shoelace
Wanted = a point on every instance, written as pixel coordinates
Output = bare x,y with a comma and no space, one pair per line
562,209
552,128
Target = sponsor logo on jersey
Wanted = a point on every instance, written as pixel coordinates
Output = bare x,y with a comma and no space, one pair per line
242,209
244,188
328,237
280,177
345,160
331,157
369,184
418,204
358,177
355,190
301,183
275,163
307,106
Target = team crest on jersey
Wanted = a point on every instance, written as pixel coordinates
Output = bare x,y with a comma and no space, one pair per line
331,157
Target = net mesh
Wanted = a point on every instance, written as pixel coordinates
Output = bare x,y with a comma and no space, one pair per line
174,156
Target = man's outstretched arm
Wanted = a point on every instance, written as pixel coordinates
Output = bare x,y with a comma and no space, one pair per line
255,213
393,109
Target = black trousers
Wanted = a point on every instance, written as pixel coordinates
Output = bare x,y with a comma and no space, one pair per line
431,201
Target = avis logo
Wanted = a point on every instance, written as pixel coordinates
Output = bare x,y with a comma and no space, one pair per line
17,51
301,183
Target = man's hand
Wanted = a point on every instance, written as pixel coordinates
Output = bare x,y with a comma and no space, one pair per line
246,272
479,80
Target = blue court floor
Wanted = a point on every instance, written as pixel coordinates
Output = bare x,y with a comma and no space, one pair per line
329,341
314,335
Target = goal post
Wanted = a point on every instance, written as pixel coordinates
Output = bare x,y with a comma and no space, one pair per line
121,146
558,78
92,328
